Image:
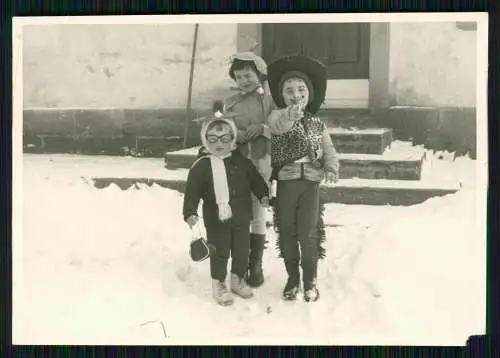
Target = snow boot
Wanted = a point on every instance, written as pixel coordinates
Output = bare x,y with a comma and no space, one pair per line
255,278
311,292
292,285
239,287
221,294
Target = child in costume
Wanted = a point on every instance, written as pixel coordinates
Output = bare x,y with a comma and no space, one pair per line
251,106
225,180
302,156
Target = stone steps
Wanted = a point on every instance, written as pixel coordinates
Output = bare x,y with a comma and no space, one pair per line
394,164
367,188
374,170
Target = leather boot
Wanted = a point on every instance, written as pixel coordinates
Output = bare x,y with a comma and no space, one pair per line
309,269
255,278
292,285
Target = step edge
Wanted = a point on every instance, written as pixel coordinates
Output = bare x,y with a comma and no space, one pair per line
421,186
416,157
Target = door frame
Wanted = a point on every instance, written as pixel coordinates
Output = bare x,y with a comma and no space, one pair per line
268,43
379,58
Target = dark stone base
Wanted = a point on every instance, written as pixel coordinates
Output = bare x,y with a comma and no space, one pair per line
337,194
348,118
361,143
121,146
142,132
390,170
450,129
175,161
88,131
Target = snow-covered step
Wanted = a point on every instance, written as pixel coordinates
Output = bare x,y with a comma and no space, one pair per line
367,140
400,162
346,191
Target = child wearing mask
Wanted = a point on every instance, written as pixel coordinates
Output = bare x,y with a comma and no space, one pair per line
225,180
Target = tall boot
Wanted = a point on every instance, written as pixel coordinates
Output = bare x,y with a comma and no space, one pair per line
292,284
309,270
255,277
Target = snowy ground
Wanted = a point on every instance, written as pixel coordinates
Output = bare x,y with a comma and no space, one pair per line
111,267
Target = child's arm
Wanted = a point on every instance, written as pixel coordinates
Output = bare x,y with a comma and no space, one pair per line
279,122
229,103
267,130
257,183
194,190
331,160
241,136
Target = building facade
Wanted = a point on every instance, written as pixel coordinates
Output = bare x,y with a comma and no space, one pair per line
130,81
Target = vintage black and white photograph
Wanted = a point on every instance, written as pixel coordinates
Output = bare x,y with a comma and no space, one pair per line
253,179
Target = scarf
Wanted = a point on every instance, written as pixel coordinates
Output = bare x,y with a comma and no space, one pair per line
220,186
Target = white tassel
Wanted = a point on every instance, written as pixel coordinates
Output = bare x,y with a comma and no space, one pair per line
273,189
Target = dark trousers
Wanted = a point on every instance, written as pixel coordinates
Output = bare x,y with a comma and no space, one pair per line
229,239
298,214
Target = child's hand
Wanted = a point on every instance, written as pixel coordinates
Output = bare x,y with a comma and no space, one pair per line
241,136
254,130
192,220
295,112
264,201
331,177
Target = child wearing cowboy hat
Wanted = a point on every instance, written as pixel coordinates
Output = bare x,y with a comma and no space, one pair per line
302,156
224,179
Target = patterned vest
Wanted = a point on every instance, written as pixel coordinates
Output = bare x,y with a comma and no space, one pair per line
303,139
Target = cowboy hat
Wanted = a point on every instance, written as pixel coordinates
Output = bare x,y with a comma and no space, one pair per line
312,71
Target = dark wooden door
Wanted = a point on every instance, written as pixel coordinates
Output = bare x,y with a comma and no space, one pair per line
342,47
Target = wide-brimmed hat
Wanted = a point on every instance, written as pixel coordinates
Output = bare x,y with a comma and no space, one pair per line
258,62
314,74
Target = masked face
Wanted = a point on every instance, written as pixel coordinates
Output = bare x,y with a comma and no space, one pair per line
295,91
219,139
247,79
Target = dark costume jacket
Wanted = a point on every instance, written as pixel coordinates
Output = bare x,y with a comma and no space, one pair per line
243,179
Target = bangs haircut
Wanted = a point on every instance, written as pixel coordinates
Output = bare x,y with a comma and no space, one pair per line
239,65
